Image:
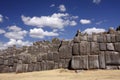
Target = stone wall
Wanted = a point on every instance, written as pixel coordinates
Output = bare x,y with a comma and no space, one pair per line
96,51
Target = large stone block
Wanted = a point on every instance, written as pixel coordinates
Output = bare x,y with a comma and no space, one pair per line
56,65
112,58
43,65
108,38
11,61
65,51
90,38
113,38
50,65
84,48
67,63
83,62
93,62
100,39
102,46
76,39
75,63
118,38
94,48
19,68
50,56
39,58
83,38
75,48
56,57
102,64
62,63
24,67
110,46
117,47
1,61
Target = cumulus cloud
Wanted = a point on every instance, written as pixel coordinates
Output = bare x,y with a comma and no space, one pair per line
40,33
85,21
93,30
2,31
1,18
56,20
52,5
96,1
62,8
15,33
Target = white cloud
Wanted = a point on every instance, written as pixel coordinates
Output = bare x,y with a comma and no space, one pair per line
96,1
2,31
11,42
1,18
93,30
14,28
40,33
85,21
55,21
62,8
52,5
73,23
15,33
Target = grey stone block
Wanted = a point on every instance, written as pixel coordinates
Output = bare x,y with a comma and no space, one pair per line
118,38
102,46
50,65
43,65
75,49
1,61
50,56
84,48
90,38
117,46
39,58
113,38
94,48
75,63
19,68
67,63
110,46
112,67
102,64
83,38
30,67
76,39
56,65
56,56
93,62
112,58
83,62
108,38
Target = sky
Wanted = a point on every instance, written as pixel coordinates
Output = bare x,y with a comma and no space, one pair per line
23,22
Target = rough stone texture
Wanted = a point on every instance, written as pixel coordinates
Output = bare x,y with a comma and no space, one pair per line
75,50
94,48
93,62
75,63
102,46
108,38
83,62
117,46
1,61
118,38
77,39
112,58
56,57
110,46
102,64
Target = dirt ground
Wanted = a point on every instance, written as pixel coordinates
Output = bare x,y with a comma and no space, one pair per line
62,74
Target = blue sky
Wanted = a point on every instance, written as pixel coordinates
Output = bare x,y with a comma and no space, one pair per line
25,21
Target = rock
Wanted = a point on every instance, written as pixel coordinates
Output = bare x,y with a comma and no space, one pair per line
117,47
83,62
110,46
39,58
118,38
62,63
101,39
1,61
94,48
56,57
111,67
102,60
76,39
90,38
50,56
108,38
113,38
93,62
102,46
112,58
75,63
19,68
75,49
111,31
50,65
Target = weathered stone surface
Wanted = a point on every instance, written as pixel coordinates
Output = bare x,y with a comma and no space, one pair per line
39,58
65,52
75,63
50,56
43,65
93,62
102,46
50,65
102,64
83,62
112,58
90,39
94,48
62,63
113,38
56,57
111,67
83,38
117,47
19,68
108,38
84,48
100,39
76,39
110,46
75,49
67,63
24,67
56,65
118,38
1,61
11,61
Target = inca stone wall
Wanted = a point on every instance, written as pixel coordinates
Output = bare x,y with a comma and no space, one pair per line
96,51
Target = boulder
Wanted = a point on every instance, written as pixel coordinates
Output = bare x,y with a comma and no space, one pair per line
110,47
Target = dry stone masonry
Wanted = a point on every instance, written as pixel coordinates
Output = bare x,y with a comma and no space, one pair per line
84,52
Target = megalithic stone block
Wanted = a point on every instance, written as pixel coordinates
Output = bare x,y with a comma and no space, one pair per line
118,38
76,39
50,56
1,61
94,48
75,63
102,64
112,58
83,62
56,57
75,49
19,68
110,46
117,46
93,62
103,46
50,65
